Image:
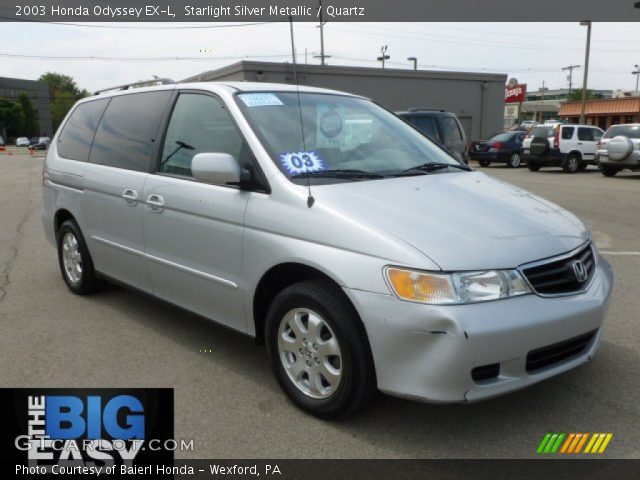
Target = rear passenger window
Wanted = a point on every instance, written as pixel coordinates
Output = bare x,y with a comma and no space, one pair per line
74,142
427,125
567,133
585,134
451,129
200,124
128,129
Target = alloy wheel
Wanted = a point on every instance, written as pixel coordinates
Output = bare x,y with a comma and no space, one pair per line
310,353
72,258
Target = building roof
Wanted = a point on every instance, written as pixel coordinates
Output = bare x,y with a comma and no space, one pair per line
615,106
245,65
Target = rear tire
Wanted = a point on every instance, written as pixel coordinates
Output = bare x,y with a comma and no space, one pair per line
75,261
533,166
318,350
514,160
484,163
608,171
571,163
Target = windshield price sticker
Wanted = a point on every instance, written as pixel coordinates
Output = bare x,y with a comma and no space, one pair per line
260,99
301,162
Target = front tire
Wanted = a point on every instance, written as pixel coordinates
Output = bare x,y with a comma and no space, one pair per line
75,261
318,350
514,160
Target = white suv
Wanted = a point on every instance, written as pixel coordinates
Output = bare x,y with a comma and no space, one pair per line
619,149
571,147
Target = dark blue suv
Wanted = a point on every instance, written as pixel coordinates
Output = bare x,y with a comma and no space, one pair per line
442,127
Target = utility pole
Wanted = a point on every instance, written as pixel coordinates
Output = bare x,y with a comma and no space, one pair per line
583,106
637,74
570,68
415,62
383,55
322,56
542,104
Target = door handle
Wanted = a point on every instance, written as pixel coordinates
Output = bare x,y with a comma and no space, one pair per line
130,196
155,202
579,143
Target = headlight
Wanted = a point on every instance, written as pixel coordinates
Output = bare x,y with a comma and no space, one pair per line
453,288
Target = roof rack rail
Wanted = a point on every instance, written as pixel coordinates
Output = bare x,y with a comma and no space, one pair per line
126,86
418,109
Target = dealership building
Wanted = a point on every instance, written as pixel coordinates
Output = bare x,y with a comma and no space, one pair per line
38,92
476,98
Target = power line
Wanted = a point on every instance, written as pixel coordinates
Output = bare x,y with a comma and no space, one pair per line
133,59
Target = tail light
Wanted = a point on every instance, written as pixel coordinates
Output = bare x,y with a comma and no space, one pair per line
497,145
599,145
556,138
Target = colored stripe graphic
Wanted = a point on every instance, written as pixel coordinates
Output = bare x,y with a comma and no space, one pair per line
573,443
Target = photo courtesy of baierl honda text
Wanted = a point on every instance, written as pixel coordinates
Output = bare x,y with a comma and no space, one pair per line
320,239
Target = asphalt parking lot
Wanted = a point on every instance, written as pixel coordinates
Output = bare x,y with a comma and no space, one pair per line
228,401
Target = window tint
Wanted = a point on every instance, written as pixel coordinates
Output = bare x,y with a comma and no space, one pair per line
427,125
631,131
541,131
597,134
450,130
585,134
567,133
75,139
504,137
199,124
127,131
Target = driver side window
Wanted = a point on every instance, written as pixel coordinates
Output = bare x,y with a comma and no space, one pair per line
199,123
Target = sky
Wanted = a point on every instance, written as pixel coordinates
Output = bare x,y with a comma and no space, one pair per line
531,52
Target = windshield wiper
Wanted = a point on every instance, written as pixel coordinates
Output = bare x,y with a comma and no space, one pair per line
339,173
431,167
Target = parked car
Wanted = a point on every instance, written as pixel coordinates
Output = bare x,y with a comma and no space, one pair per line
41,144
528,124
571,147
22,142
501,148
619,149
442,127
363,254
1,141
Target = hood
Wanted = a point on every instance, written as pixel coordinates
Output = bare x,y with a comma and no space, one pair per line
461,220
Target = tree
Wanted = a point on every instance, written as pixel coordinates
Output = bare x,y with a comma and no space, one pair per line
11,117
64,92
31,125
577,94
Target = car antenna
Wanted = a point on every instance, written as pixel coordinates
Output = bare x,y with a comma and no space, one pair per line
310,199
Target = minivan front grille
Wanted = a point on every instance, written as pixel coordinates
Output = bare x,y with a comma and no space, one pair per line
552,354
566,275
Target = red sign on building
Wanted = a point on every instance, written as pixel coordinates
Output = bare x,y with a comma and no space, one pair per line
515,92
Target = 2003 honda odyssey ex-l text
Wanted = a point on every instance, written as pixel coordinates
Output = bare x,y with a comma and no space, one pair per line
361,253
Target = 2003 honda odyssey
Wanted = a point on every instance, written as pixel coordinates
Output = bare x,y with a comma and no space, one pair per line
360,252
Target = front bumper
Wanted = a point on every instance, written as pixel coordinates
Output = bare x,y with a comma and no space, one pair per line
427,352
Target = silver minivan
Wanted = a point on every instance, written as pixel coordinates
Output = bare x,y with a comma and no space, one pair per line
362,254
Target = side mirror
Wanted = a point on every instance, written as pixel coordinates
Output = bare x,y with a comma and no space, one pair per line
216,168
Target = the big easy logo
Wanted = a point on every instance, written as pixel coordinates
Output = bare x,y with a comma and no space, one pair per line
108,426
515,92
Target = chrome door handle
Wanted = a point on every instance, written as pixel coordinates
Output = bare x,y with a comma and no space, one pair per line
130,196
579,143
155,202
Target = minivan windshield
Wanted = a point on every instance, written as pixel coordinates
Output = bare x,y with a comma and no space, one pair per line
631,131
340,137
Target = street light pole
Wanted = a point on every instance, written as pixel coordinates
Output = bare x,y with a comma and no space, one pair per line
415,62
383,55
583,106
637,74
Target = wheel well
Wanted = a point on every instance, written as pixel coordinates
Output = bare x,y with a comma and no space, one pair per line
62,216
576,153
274,281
